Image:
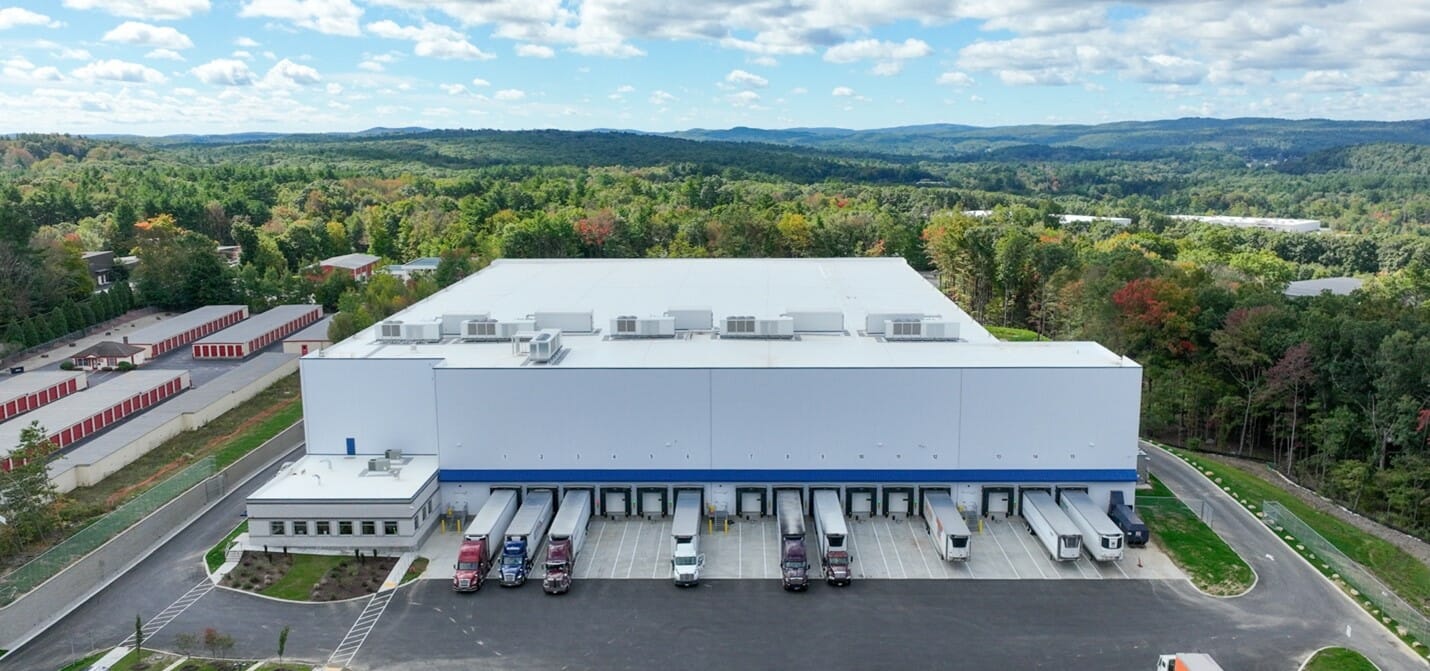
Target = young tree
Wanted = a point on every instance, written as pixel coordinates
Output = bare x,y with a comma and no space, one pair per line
28,503
138,636
282,641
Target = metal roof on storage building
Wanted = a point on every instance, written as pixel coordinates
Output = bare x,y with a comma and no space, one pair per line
83,405
168,328
315,332
258,325
15,386
350,261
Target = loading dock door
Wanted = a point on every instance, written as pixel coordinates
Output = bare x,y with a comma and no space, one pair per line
898,502
859,502
997,502
751,502
652,502
1058,496
616,502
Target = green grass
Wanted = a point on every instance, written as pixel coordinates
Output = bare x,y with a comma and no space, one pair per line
260,434
1403,573
85,662
1339,659
418,566
156,660
297,584
1008,333
1211,564
214,557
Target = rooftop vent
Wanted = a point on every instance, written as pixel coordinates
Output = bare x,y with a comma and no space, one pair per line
395,330
629,326
452,324
920,329
493,330
874,322
393,455
750,327
692,319
816,321
544,346
570,322
379,464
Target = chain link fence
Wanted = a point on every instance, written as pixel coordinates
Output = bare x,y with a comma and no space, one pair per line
54,560
1362,585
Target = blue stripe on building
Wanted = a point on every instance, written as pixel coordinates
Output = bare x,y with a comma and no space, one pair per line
1019,476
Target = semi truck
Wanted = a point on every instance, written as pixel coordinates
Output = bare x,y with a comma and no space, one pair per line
833,534
794,560
1127,520
686,560
946,526
1187,661
1101,539
523,537
564,540
482,540
1059,536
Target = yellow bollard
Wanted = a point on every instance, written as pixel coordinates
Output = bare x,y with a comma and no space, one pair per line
443,522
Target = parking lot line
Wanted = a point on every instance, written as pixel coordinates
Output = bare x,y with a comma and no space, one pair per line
596,550
617,563
914,536
992,533
1036,564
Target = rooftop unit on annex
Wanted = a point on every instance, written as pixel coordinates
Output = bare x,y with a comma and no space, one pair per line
641,378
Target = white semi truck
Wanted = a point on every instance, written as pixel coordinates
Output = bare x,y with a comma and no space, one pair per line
946,526
524,535
833,534
1101,539
1059,536
564,540
686,560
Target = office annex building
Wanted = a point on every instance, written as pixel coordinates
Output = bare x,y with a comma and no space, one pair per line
738,377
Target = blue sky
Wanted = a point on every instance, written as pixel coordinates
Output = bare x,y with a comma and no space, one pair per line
205,66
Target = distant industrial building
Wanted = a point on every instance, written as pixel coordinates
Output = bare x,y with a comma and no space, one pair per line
251,335
175,332
407,271
27,391
310,339
1340,286
1268,223
359,266
1062,218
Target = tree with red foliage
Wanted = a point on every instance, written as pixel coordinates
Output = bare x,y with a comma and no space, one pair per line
595,230
1155,314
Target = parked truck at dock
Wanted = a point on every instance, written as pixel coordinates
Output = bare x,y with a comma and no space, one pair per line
1127,520
1054,530
482,540
794,560
565,539
946,527
524,536
685,557
833,532
1101,539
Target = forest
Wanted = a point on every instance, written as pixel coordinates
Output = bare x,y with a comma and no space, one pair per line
1335,390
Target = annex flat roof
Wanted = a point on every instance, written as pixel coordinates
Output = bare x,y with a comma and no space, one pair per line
315,332
79,406
317,478
856,287
349,261
258,324
172,326
24,384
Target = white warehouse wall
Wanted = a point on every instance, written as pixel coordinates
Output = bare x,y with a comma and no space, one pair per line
381,404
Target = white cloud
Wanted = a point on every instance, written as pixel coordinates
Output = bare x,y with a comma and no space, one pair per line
19,69
766,61
453,89
746,79
72,54
510,94
1169,69
535,51
479,82
334,88
11,17
246,42
119,71
224,72
888,57
842,92
287,74
334,17
242,54
143,34
153,10
625,88
371,66
955,78
798,91
744,98
164,55
660,98
430,39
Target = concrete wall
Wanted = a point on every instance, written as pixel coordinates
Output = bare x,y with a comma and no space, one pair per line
56,597
381,404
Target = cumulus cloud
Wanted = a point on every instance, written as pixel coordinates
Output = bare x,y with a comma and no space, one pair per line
119,71
246,42
746,79
11,17
744,98
535,51
510,95
842,92
888,57
164,55
334,17
287,74
153,10
430,40
479,82
371,66
659,97
955,78
334,88
19,69
143,34
224,72
453,89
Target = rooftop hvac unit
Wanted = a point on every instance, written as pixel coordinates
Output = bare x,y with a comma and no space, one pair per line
393,455
452,324
422,331
544,346
389,331
692,319
816,321
570,322
922,329
491,329
750,327
874,322
379,464
627,326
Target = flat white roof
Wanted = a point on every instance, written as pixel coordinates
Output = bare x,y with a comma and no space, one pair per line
315,332
1298,225
15,386
514,289
259,324
321,477
79,406
1340,286
350,261
172,326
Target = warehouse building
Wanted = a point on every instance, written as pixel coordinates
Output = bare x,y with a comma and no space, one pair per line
249,336
28,391
849,374
175,332
74,418
310,339
1267,223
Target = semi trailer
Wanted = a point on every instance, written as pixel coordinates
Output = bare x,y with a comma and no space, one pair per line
482,540
794,560
833,534
686,560
1127,519
946,527
1187,661
1101,539
523,537
564,540
1059,536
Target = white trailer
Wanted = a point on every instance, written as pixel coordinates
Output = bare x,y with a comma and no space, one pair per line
1059,536
1101,538
686,559
492,520
572,519
946,526
790,509
833,533
532,520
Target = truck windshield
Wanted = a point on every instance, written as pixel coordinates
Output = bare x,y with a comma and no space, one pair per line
685,561
794,565
467,566
512,561
555,566
838,561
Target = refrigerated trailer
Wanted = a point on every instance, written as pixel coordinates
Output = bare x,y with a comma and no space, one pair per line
1059,536
564,540
1101,539
833,534
946,527
482,540
686,560
523,536
794,559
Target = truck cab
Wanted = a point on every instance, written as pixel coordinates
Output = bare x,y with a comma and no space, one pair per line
558,567
686,565
514,565
794,566
471,566
836,568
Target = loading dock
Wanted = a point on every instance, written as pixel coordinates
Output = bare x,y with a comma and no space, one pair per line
555,492
691,488
616,501
652,502
1023,490
751,502
514,488
898,502
590,492
809,501
1058,491
859,502
998,501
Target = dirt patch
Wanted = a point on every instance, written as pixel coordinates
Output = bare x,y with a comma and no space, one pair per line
258,570
353,578
309,577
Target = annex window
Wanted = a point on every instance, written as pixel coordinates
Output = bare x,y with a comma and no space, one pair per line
300,528
389,528
276,528
345,528
324,528
369,528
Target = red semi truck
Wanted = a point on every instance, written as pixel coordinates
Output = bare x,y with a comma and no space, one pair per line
483,540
